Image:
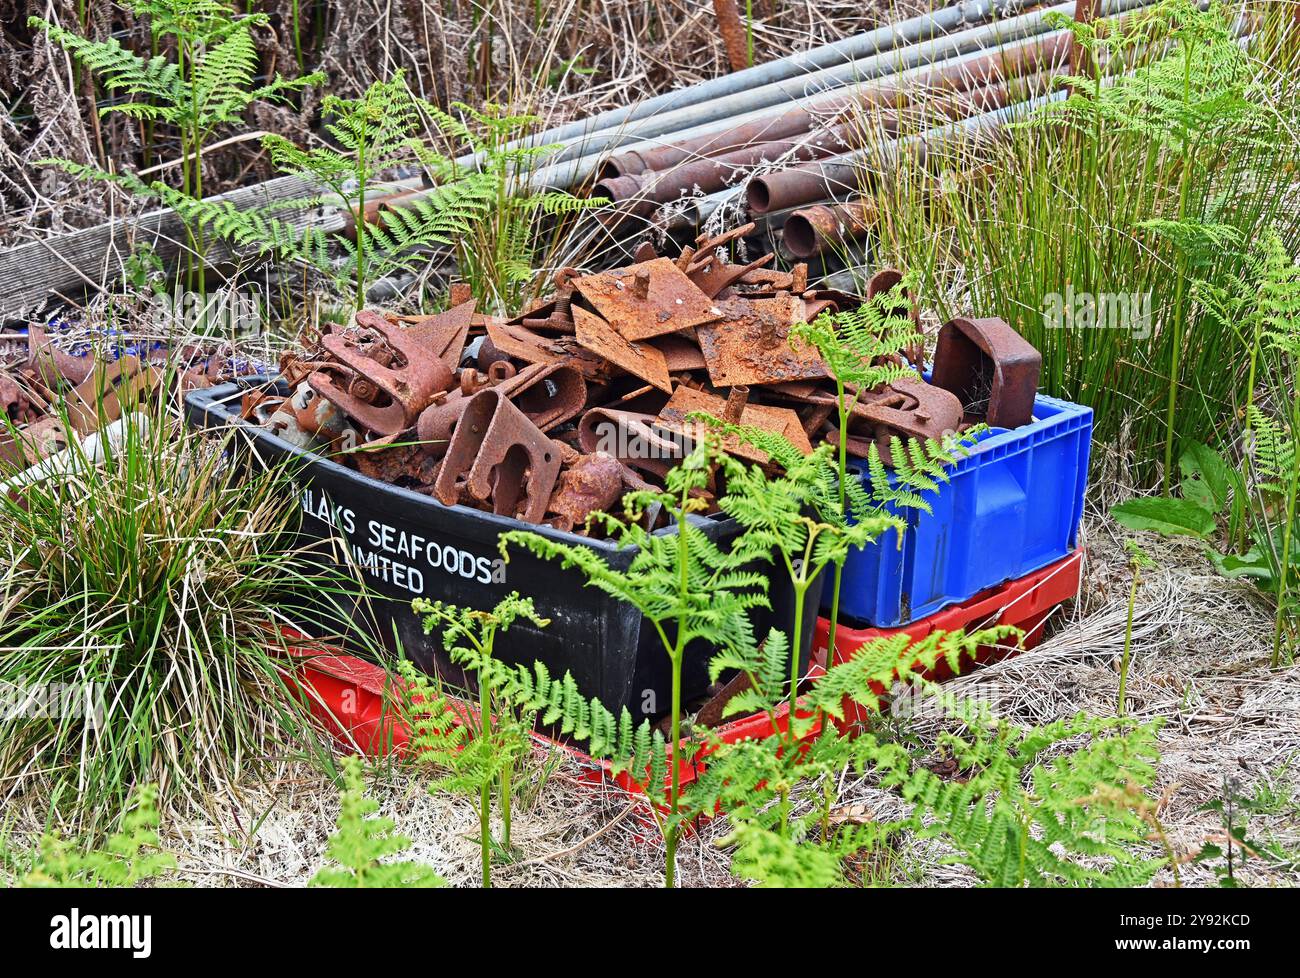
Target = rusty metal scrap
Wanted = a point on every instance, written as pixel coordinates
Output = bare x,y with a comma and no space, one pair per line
646,300
639,359
497,454
751,343
990,368
552,415
778,420
592,484
392,376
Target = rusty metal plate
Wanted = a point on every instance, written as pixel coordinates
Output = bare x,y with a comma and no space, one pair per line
681,351
751,345
443,334
652,298
780,421
109,391
639,359
517,341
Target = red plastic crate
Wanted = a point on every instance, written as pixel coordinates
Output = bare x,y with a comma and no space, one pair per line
353,698
1025,603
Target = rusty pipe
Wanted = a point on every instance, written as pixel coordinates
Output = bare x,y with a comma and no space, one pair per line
711,174
827,110
797,67
814,230
839,176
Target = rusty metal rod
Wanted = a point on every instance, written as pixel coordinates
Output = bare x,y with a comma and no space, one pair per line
801,65
823,111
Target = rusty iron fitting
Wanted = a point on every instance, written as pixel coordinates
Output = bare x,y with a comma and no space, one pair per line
409,388
909,408
592,484
497,454
736,400
991,369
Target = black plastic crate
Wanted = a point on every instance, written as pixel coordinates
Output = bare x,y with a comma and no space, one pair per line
409,545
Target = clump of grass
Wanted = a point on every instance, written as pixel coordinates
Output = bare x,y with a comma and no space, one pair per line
1085,226
139,602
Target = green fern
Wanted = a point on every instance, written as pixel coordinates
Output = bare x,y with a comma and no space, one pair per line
755,781
363,842
689,589
863,350
498,256
477,752
128,858
1034,806
1028,815
211,83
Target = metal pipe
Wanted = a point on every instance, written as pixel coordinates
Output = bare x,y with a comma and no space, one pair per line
839,175
820,111
821,227
803,63
980,40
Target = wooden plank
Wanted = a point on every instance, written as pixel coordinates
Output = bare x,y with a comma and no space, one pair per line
69,264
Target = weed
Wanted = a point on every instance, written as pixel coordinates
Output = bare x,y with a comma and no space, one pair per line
1137,560
362,843
142,589
481,751
1134,187
129,857
210,83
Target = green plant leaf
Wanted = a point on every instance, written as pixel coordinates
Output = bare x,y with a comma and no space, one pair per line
1170,517
1206,477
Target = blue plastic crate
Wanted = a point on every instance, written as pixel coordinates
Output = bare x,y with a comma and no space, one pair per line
1012,507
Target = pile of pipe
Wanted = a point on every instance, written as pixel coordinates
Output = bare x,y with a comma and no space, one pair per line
787,144
552,416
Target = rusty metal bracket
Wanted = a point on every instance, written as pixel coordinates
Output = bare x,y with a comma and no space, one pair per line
991,369
497,454
880,284
908,409
549,394
408,388
714,276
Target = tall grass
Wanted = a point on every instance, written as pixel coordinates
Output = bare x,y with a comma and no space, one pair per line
1134,186
144,591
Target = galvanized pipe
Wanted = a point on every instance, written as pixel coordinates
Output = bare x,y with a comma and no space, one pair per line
840,175
803,63
822,111
979,40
